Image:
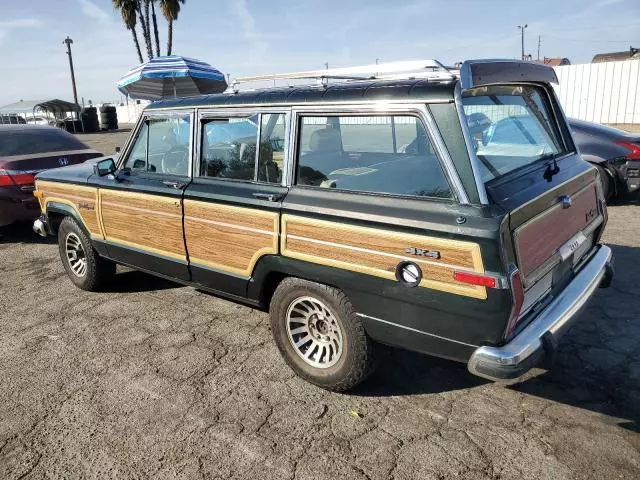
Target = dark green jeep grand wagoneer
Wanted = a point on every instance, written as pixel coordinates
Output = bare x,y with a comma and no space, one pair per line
415,209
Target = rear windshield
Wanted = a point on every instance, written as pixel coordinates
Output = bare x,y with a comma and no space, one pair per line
510,126
41,140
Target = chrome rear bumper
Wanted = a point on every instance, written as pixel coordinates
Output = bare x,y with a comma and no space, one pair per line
528,348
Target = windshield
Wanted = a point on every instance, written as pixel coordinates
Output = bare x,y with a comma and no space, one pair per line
510,126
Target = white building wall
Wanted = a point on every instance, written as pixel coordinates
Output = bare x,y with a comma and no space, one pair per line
601,92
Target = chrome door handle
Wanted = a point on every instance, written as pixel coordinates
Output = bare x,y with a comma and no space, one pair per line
172,184
270,197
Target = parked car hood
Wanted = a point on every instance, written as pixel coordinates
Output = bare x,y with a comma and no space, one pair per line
79,173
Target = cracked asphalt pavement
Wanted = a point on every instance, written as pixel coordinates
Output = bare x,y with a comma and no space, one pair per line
154,380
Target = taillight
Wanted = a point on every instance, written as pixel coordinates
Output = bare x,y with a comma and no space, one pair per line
475,279
15,177
634,150
517,293
5,178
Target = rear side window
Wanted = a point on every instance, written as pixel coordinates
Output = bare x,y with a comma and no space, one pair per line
510,126
40,140
377,154
230,148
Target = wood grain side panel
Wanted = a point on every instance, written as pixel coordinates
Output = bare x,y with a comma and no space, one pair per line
245,217
385,242
82,199
148,222
376,252
229,238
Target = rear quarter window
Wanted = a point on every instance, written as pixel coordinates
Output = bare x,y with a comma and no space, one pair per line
374,153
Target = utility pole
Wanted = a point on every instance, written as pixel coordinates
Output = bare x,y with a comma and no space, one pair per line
522,27
68,41
539,38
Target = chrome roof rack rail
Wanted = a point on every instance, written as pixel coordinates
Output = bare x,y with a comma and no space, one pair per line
426,69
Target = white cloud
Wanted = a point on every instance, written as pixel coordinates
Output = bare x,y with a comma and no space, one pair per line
21,23
7,25
94,12
240,9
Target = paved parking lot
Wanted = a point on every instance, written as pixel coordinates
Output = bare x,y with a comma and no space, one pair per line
151,379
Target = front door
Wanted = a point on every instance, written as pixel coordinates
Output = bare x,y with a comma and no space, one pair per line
232,206
141,207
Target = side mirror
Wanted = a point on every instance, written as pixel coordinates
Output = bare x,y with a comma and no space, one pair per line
105,167
117,149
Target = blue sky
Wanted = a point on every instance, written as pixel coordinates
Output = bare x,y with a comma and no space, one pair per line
252,36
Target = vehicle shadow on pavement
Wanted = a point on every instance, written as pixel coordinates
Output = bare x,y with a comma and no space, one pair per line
134,281
401,372
597,366
598,363
22,233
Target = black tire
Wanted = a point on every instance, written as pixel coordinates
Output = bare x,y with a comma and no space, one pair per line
107,108
97,270
356,359
608,188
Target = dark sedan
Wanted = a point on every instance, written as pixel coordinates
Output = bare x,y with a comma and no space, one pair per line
614,152
24,151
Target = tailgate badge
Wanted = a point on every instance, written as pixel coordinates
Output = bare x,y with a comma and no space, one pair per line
63,161
565,200
421,252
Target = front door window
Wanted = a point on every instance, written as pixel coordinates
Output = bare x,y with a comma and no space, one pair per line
161,147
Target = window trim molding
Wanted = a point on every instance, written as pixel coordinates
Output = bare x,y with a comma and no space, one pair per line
418,111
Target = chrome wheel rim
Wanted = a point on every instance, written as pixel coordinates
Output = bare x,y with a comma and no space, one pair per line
314,332
75,255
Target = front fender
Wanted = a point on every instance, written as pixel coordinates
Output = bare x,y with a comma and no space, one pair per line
64,210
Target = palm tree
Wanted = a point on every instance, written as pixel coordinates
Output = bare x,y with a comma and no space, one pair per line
128,11
155,27
145,30
170,10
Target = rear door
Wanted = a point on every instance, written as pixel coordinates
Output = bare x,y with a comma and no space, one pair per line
530,167
375,210
141,207
232,206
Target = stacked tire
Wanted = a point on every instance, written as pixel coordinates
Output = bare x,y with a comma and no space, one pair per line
108,117
89,116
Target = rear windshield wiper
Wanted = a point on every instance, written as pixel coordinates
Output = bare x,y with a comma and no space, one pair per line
552,166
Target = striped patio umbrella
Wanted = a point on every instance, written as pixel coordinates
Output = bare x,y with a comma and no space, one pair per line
171,76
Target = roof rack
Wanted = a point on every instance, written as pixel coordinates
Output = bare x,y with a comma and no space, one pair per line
427,69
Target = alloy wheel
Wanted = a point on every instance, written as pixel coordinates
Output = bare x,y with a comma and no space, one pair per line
314,332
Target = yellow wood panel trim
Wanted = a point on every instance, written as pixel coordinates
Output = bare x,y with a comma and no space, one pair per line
42,184
342,257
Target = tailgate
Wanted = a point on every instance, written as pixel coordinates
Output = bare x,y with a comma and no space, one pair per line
554,225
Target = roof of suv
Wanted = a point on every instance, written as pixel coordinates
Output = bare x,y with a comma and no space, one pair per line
346,92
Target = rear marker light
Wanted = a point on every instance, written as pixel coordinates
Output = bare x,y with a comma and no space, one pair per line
634,150
475,279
